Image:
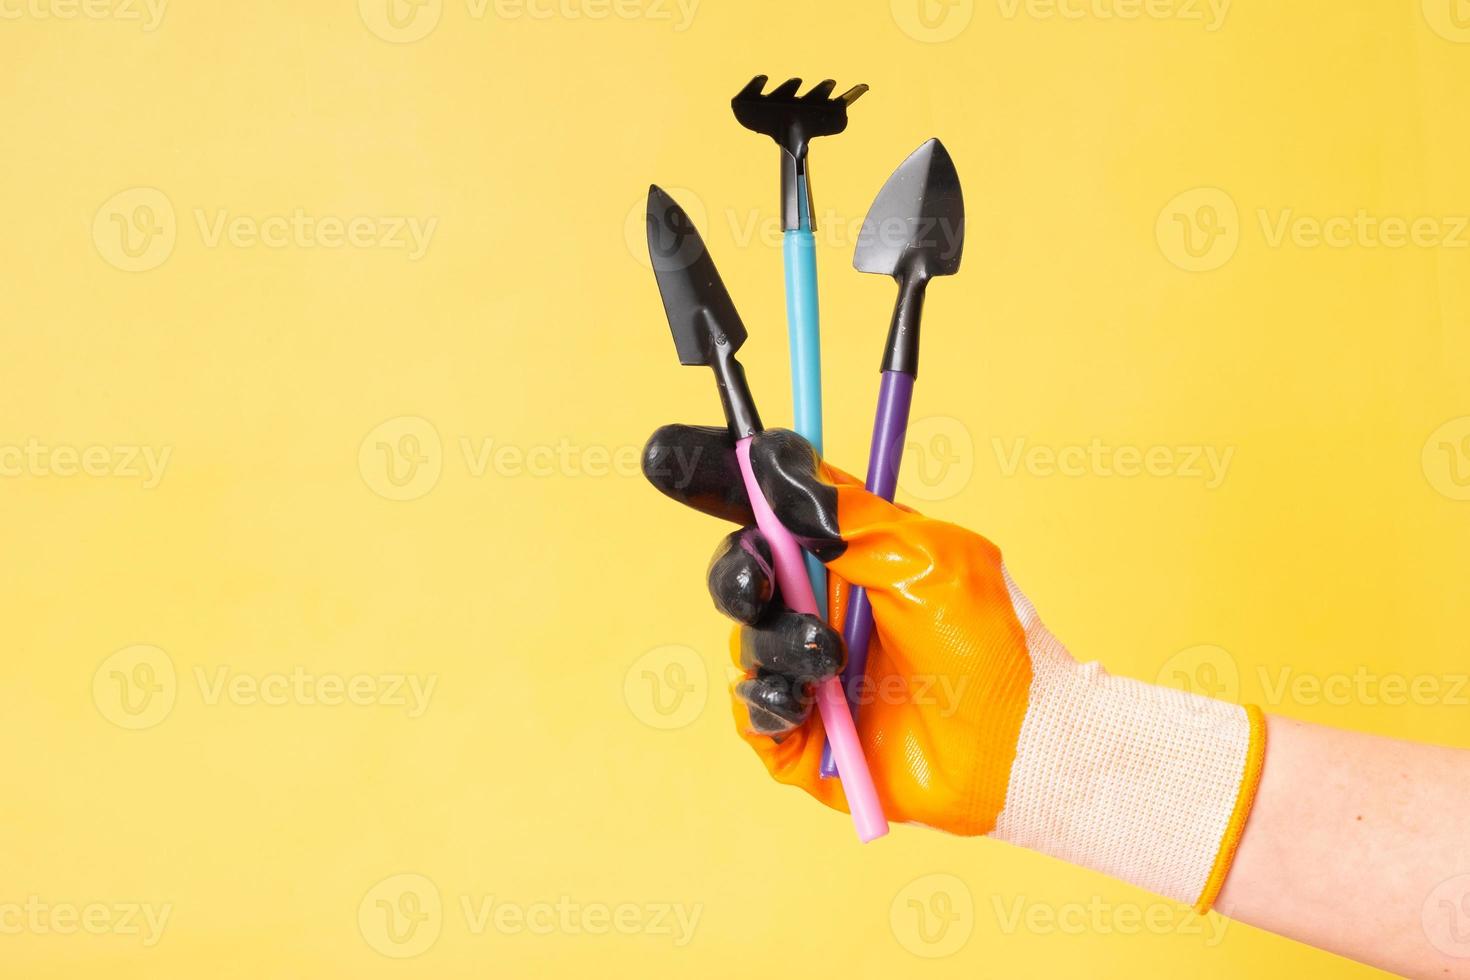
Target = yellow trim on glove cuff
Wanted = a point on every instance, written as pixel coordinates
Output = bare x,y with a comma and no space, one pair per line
1255,758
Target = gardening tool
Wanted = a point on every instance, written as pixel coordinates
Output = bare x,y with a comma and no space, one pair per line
793,121
707,331
914,231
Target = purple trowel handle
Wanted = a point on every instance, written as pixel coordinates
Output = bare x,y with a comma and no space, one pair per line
890,426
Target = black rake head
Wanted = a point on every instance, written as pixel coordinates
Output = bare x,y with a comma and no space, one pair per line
790,119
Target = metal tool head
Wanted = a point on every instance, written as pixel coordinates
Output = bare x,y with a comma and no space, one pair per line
707,330
916,226
695,299
794,120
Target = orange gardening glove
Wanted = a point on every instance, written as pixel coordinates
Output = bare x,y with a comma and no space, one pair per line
973,717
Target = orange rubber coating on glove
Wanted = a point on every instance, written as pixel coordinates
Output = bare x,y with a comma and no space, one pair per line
948,672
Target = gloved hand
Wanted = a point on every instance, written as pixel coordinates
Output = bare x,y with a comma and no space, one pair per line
974,718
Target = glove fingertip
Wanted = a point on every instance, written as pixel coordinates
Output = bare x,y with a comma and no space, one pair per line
770,707
696,465
787,469
740,576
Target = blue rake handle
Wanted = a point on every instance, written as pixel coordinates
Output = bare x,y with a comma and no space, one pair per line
799,248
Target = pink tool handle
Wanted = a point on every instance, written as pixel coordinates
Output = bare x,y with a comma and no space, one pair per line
796,589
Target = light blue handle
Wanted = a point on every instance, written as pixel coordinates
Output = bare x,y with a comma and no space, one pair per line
803,328
802,322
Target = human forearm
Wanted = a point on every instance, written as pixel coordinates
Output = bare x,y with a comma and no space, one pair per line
1350,845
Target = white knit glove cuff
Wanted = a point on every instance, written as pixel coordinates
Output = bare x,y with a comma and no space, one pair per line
1140,782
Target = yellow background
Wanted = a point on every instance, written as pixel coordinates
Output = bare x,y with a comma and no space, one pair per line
545,601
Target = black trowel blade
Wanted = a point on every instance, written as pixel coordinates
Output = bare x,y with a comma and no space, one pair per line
699,308
917,221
